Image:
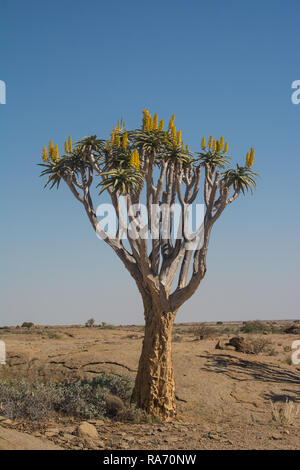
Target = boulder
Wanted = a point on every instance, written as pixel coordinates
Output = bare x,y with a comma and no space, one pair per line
87,431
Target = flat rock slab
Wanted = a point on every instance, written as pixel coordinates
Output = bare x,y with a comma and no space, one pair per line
15,440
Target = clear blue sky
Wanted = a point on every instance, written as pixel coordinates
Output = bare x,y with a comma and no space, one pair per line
74,67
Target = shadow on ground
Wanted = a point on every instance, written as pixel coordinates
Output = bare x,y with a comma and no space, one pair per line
241,370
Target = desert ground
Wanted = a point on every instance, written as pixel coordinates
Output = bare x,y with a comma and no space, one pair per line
226,399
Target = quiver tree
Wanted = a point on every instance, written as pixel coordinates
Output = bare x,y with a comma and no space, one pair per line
151,167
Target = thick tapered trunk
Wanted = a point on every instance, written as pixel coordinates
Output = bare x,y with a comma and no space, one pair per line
154,389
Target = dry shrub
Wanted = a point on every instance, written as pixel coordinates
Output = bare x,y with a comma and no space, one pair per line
204,332
177,339
285,413
104,395
262,345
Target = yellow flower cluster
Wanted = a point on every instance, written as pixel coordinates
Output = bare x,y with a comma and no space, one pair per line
150,124
68,145
175,135
250,158
115,138
215,145
135,159
147,121
52,151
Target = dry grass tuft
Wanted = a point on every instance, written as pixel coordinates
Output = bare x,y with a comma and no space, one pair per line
284,413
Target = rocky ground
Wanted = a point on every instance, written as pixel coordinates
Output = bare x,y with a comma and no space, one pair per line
225,399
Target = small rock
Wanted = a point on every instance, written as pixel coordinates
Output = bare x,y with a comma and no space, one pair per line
87,431
50,434
213,436
276,436
67,429
67,437
56,430
129,439
7,421
99,422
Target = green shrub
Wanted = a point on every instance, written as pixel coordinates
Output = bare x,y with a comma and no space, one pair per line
254,327
120,386
27,324
102,396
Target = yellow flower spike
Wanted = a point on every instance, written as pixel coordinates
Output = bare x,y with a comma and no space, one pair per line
210,141
182,145
149,123
214,147
225,148
179,137
50,148
161,125
173,132
247,159
70,145
203,143
107,145
145,117
221,142
112,139
45,157
171,123
144,123
137,160
125,141
251,159
187,149
132,155
55,154
118,141
66,147
155,121
218,146
166,137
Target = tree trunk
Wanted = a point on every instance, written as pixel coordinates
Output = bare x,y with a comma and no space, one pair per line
154,389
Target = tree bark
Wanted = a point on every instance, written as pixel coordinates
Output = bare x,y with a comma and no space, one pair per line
154,389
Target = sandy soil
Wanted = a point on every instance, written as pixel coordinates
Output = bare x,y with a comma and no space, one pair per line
224,398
